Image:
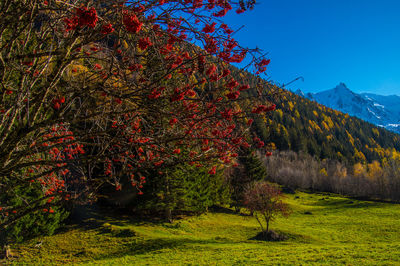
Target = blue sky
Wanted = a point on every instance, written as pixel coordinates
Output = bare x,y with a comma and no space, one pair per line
355,41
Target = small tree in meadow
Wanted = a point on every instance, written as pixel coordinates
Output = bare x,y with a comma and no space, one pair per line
264,200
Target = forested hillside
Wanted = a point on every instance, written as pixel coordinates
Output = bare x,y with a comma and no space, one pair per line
299,124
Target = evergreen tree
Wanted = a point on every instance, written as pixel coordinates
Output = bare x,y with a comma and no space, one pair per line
251,169
182,188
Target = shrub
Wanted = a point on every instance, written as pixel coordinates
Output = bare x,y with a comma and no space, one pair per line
42,221
264,200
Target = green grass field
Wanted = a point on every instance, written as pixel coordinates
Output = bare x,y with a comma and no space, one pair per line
323,229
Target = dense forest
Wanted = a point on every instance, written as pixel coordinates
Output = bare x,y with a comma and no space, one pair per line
299,124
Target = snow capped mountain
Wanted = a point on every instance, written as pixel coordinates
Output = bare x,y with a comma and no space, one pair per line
377,109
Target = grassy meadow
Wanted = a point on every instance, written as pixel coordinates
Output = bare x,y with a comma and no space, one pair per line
323,229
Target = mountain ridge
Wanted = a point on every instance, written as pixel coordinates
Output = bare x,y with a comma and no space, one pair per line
380,110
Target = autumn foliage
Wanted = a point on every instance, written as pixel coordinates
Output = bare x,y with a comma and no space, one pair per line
264,200
93,91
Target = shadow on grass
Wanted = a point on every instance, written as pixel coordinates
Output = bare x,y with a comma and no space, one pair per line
90,217
360,199
345,203
220,209
151,245
276,235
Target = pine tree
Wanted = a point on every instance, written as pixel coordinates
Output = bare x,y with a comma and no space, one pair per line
182,188
251,169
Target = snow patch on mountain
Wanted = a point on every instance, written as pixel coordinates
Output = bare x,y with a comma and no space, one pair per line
377,109
379,105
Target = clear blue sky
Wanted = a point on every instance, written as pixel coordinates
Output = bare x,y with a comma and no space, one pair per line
327,41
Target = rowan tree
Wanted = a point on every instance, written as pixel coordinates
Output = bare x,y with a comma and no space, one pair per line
115,88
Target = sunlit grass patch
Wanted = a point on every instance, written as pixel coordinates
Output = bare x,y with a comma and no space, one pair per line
323,229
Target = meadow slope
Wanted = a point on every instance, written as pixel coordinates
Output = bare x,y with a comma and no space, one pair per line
323,229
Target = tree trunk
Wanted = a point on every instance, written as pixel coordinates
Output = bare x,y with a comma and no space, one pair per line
168,215
3,245
168,200
259,222
6,252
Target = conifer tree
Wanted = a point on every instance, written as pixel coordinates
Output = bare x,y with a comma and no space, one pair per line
251,169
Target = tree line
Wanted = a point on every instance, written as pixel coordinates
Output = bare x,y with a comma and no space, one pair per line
373,180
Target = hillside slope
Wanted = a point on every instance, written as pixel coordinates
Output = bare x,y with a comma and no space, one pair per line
300,124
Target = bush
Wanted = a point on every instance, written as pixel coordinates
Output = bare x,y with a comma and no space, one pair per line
271,235
36,223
